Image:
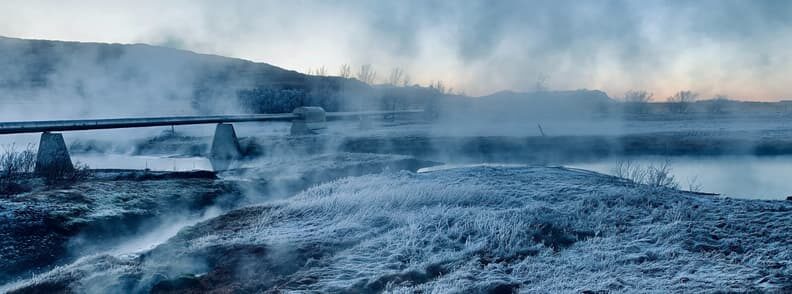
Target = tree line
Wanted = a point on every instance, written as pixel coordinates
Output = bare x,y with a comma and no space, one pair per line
639,102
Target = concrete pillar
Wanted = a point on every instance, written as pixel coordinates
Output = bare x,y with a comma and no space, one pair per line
310,120
225,147
52,157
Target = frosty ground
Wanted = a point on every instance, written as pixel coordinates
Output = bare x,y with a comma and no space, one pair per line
346,211
119,211
480,229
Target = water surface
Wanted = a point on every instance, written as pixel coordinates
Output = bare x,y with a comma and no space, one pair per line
752,177
734,176
156,163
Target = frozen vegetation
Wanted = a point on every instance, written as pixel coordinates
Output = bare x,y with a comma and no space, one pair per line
347,211
476,229
120,211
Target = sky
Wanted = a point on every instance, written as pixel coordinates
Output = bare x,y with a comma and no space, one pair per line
738,48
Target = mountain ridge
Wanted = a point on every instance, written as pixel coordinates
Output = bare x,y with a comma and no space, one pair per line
67,79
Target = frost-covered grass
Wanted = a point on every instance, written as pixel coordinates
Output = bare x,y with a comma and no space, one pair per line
15,167
291,166
124,211
531,229
49,226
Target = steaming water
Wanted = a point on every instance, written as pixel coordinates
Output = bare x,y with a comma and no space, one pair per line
534,227
748,177
453,166
734,176
122,161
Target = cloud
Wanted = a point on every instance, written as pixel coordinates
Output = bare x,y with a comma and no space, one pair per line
733,47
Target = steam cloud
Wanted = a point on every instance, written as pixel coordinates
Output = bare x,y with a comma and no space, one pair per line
728,47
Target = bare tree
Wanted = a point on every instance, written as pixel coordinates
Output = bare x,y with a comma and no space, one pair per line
680,102
718,104
395,76
14,166
406,81
366,74
439,86
637,100
345,71
322,71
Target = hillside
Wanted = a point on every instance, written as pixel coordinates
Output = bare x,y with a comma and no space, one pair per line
42,79
83,79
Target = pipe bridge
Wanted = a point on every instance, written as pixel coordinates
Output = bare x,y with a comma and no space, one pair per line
53,156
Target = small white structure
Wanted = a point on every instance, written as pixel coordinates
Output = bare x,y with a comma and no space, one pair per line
310,120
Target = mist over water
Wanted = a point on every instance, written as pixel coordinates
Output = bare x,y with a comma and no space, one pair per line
497,186
737,48
748,177
154,163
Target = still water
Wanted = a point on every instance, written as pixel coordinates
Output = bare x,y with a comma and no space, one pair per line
122,161
733,176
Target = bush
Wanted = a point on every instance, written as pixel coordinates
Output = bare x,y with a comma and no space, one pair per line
681,101
56,176
655,176
15,168
718,104
637,101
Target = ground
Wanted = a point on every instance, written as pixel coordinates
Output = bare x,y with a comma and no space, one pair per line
117,211
51,225
344,212
476,229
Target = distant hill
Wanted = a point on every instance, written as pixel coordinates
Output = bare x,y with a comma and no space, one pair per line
83,79
509,105
42,79
543,101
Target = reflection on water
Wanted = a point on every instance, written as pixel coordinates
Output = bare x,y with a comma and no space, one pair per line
453,166
121,161
734,176
738,176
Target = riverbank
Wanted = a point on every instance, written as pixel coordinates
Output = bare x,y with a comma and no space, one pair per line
464,230
131,210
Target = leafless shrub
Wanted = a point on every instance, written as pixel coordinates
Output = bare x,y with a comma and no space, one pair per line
680,102
15,166
660,176
655,176
694,185
63,175
628,170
